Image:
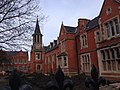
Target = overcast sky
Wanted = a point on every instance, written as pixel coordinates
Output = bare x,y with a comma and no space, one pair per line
68,11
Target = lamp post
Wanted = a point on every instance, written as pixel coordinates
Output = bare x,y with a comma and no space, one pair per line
95,81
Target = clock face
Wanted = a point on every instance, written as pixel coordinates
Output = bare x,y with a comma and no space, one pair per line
37,46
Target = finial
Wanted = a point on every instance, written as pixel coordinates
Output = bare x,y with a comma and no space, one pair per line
37,17
62,22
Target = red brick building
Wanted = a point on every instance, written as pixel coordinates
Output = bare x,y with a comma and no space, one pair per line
108,46
95,41
66,56
86,44
14,59
37,51
62,52
50,63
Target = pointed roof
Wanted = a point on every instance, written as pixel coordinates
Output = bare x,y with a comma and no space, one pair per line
37,28
93,23
70,29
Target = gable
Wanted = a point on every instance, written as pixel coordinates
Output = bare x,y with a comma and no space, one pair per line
62,30
109,6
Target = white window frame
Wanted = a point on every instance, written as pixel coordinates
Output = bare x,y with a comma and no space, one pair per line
96,36
111,60
38,53
82,61
108,21
64,62
84,41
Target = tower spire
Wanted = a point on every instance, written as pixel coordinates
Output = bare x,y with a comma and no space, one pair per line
37,38
37,28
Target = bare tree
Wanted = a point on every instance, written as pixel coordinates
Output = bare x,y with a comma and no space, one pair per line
16,22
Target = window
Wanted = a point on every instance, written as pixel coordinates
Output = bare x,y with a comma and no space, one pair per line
65,60
112,28
83,41
59,62
25,61
20,60
98,36
117,26
103,59
112,53
85,62
107,29
108,54
111,59
103,55
117,52
37,56
108,10
62,45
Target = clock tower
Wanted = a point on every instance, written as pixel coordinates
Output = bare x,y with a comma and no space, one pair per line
37,50
37,38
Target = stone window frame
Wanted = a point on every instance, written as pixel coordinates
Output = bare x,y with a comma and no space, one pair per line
108,10
20,61
113,61
98,38
65,66
86,62
84,41
37,57
107,22
60,61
